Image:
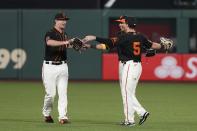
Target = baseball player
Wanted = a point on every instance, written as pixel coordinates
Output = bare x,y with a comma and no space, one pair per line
55,69
129,44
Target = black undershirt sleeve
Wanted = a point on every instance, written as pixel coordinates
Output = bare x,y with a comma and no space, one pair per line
146,44
106,41
103,40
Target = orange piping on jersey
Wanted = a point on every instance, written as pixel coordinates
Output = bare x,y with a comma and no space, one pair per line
56,57
57,33
58,54
61,47
66,39
62,40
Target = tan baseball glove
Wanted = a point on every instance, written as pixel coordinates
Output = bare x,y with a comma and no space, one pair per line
167,43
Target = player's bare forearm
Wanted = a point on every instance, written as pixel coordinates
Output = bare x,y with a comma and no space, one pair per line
89,38
59,43
165,44
54,43
156,46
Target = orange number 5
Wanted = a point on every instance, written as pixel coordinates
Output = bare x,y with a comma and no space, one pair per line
136,48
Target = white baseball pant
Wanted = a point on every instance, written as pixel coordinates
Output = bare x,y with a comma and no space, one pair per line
55,76
129,74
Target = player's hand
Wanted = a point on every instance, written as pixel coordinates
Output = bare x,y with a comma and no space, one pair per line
85,46
89,38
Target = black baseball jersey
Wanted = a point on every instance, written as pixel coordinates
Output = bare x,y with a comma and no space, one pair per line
55,53
129,45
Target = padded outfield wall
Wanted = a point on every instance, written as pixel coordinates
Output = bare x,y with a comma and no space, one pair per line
22,38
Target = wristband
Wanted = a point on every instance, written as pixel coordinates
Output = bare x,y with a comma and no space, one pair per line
103,46
64,42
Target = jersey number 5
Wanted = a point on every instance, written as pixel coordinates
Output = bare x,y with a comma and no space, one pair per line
136,47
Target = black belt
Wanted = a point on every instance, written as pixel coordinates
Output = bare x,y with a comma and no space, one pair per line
124,62
136,61
55,62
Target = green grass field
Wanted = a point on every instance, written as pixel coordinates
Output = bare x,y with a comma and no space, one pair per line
97,106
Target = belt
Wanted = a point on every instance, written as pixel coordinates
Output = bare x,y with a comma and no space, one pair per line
55,62
124,62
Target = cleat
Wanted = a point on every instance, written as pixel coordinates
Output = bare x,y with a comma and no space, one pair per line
48,119
143,118
127,123
63,121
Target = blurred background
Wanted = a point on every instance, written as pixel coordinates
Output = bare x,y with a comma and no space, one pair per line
24,24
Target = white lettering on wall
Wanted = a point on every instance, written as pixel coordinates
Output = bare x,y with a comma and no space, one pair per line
192,67
18,56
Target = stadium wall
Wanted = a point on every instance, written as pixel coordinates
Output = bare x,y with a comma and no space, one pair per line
22,41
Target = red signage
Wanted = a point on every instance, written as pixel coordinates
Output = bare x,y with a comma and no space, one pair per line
154,35
171,67
110,67
190,67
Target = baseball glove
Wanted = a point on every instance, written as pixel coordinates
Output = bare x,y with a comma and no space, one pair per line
76,43
150,52
167,43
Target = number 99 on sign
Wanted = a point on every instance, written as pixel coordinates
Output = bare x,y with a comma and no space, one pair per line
18,56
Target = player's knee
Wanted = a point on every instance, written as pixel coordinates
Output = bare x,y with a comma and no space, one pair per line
51,95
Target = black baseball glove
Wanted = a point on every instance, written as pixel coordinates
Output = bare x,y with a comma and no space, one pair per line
150,52
76,43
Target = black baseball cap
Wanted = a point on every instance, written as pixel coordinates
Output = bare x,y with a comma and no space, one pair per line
131,21
61,16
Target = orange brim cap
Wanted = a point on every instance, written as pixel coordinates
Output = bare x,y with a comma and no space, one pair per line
121,21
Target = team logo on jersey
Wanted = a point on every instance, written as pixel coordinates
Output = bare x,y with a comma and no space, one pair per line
114,39
169,68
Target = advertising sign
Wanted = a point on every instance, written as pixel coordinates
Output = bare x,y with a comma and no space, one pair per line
171,67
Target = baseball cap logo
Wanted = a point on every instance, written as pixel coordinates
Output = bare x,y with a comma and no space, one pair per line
114,39
169,68
63,15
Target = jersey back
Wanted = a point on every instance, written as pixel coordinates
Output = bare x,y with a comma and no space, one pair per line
130,45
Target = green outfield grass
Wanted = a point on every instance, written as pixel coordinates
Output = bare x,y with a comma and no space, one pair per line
97,106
